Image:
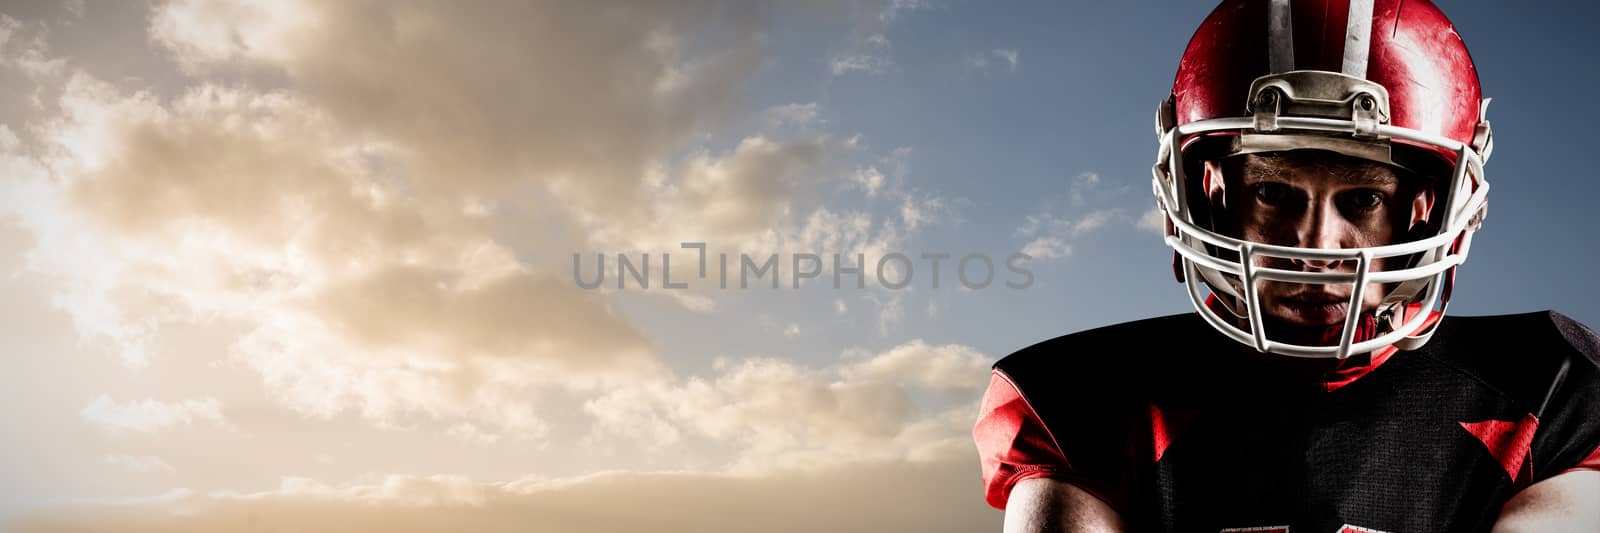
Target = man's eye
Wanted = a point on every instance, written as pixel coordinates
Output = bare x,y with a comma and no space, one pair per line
1271,193
1364,199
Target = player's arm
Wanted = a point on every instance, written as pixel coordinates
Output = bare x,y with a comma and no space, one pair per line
1040,505
1025,470
1565,502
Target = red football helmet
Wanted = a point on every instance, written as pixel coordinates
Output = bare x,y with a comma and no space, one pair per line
1383,80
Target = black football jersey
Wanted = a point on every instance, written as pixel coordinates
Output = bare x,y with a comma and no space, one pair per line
1182,429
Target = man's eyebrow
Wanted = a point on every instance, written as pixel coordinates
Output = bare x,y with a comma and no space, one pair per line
1368,176
1255,171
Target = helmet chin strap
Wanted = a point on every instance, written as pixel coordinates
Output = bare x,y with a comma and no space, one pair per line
1228,303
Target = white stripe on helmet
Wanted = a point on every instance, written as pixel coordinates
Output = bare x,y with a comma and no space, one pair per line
1357,38
1280,37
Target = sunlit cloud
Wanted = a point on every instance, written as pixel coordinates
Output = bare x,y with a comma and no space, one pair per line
379,246
150,415
922,495
778,413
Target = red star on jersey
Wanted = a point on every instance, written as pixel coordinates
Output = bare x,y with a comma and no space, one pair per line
1508,441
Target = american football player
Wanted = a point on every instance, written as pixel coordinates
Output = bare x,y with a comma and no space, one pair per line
1321,172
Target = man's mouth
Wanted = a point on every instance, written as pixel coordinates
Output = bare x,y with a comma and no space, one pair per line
1319,308
1318,298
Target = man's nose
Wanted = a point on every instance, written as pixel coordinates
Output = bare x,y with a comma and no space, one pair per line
1321,227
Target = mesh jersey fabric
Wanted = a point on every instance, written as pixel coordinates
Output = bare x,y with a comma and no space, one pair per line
1180,429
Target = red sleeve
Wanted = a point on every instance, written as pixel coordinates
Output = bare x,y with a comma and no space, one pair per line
1013,444
1590,463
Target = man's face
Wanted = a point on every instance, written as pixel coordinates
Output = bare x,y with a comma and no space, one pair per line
1314,199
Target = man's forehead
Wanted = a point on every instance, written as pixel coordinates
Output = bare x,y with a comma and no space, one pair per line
1318,166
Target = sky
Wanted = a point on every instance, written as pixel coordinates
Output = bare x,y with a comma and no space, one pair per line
317,266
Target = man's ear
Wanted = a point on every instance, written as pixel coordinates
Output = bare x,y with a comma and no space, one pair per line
1421,207
1213,183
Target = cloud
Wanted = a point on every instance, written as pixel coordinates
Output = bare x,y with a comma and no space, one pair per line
1152,220
472,123
858,62
630,95
776,413
378,234
1047,248
893,9
24,46
891,309
940,494
1050,236
729,198
150,415
915,211
1081,186
774,221
253,207
869,179
201,31
470,433
982,60
1011,57
945,368
356,231
798,115
1086,180
515,314
1092,221
138,464
867,50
